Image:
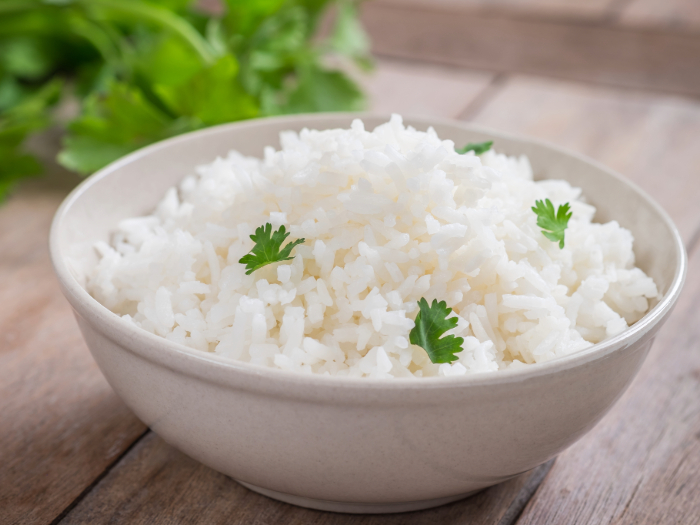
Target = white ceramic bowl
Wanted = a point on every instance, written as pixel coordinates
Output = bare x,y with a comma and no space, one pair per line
342,444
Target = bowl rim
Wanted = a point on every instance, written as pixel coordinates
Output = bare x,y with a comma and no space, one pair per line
182,358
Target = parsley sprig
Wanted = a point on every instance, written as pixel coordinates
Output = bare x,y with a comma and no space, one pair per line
553,224
477,147
146,70
267,248
431,324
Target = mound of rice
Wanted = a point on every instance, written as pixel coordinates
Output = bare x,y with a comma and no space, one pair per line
389,216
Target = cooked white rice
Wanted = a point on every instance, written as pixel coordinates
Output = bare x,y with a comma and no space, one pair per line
389,216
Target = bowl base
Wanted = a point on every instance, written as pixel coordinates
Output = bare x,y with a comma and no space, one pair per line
355,507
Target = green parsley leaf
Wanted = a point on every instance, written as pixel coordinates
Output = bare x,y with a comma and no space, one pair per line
281,63
86,155
165,59
270,63
212,95
324,90
431,324
113,124
349,38
15,166
553,224
28,57
29,116
243,17
267,248
477,147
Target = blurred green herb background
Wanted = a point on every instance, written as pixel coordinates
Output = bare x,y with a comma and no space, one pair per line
143,71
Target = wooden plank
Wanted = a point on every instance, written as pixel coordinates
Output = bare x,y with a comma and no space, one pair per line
494,41
61,424
649,138
640,464
422,90
668,14
156,484
583,10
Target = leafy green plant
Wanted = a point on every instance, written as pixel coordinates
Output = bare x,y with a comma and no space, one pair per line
477,147
553,223
431,324
145,70
268,248
16,124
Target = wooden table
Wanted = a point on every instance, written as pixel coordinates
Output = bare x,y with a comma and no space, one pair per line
71,452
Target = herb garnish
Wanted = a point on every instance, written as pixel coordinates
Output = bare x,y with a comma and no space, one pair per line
477,147
267,248
553,225
431,324
146,70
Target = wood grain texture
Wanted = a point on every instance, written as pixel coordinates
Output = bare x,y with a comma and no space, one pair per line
614,55
155,484
583,10
667,14
422,90
651,139
60,423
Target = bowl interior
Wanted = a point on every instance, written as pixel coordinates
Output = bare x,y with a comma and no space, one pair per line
133,186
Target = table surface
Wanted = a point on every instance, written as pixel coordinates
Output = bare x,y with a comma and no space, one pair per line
71,452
